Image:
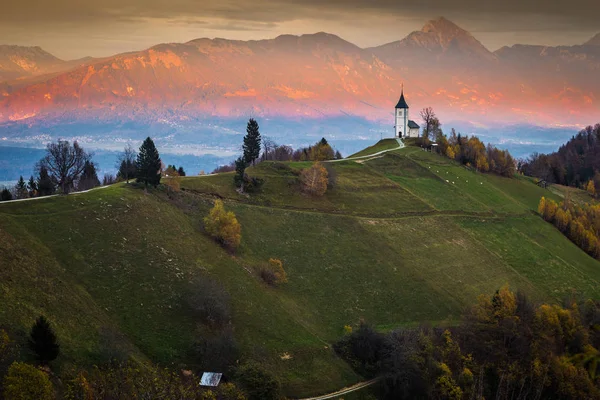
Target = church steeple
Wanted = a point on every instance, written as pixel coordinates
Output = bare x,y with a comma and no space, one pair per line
402,102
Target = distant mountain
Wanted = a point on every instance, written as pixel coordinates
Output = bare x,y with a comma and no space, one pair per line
314,76
17,62
440,40
595,41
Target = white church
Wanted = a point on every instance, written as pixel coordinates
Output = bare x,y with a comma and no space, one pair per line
404,127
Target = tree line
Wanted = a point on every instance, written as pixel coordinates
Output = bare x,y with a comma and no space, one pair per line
576,163
506,347
468,150
580,223
68,167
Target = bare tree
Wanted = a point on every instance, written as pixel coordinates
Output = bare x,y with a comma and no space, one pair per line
429,119
65,163
126,163
268,146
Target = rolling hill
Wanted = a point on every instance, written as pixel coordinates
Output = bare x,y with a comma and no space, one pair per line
404,238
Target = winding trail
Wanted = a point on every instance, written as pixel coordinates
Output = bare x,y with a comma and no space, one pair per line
400,146
344,391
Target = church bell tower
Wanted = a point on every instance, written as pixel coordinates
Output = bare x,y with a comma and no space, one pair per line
401,117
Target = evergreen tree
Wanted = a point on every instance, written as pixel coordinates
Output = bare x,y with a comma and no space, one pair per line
148,164
89,177
240,168
126,164
181,171
251,142
45,185
21,189
42,341
5,195
32,186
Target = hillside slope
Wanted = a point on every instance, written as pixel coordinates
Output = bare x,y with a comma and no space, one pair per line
402,239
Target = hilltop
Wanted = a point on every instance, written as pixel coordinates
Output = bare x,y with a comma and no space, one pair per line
400,239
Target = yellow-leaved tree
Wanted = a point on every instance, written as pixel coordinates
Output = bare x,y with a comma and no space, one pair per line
172,179
24,382
315,179
223,226
591,188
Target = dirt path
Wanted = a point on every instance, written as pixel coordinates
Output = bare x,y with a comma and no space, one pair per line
344,391
54,195
400,146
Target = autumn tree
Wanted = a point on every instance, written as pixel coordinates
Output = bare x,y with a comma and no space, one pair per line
42,341
65,163
172,179
223,226
148,164
126,163
591,188
314,180
26,382
252,142
273,273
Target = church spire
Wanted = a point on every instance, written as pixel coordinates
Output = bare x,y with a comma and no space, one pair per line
402,102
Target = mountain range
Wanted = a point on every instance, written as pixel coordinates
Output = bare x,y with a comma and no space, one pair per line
311,76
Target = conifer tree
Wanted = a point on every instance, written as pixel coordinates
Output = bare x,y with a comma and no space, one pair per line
45,185
148,164
240,170
126,163
5,195
32,186
251,142
181,171
89,177
42,341
21,189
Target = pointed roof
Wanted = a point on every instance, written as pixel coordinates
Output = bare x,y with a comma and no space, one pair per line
402,101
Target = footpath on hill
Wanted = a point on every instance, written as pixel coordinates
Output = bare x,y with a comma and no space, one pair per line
400,146
344,391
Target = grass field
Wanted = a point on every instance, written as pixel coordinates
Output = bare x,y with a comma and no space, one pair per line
394,242
382,145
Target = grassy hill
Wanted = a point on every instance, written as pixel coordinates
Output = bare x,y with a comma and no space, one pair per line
402,239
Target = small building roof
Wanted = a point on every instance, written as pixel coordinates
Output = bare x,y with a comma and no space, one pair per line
402,101
413,125
210,379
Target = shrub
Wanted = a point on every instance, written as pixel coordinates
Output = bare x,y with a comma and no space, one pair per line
210,301
223,226
314,180
273,273
228,391
173,180
25,382
258,383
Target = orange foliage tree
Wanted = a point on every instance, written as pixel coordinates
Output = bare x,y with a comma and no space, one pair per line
223,226
315,179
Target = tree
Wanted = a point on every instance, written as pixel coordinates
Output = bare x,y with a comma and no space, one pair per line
314,180
240,171
181,171
126,163
108,179
223,226
591,188
65,163
338,155
269,146
6,195
89,177
429,119
44,183
42,341
32,187
172,179
21,189
148,164
251,144
258,383
25,382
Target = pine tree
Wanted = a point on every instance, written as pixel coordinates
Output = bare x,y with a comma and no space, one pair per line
5,195
126,163
89,177
251,142
21,189
240,170
148,164
181,171
42,341
32,186
45,185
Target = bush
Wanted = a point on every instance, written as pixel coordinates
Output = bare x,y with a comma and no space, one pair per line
25,382
258,383
363,349
210,301
273,273
223,226
314,180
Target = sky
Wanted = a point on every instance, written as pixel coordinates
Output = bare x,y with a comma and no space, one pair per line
73,29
